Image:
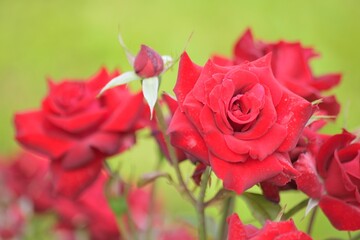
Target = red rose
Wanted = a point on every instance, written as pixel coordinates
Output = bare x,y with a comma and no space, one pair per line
77,131
290,64
271,231
333,177
239,120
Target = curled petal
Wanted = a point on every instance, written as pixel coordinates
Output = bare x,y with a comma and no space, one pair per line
342,215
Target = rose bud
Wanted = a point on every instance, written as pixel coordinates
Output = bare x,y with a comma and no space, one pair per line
148,63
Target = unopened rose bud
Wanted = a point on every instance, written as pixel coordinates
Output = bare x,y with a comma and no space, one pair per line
148,63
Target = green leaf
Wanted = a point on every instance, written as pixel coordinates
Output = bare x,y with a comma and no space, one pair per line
261,208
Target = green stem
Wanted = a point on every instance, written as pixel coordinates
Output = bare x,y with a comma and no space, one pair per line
311,221
200,204
295,209
356,237
172,154
228,208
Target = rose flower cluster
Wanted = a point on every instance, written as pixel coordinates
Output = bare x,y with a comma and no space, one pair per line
252,121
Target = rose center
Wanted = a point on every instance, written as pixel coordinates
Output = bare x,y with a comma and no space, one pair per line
244,108
69,94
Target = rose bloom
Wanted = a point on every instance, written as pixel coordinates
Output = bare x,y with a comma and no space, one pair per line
77,130
284,230
290,64
239,120
333,177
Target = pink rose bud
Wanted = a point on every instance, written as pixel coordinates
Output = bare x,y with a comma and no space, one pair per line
148,63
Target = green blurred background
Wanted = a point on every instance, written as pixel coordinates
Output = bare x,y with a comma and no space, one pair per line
73,39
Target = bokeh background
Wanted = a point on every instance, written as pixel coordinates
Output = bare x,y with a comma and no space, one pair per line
73,39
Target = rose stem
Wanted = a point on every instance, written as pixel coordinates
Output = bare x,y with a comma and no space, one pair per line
228,208
311,221
295,209
200,204
173,158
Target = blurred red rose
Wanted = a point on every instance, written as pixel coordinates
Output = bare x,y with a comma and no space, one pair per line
90,211
333,177
27,176
239,120
271,231
290,65
77,131
13,209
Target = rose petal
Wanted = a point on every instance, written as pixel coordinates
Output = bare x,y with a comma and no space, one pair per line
34,134
293,111
79,155
265,121
308,181
246,49
242,176
325,82
342,216
291,63
211,75
170,102
127,113
237,230
339,184
188,74
269,143
262,68
100,79
219,109
185,136
216,141
78,123
326,151
71,183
